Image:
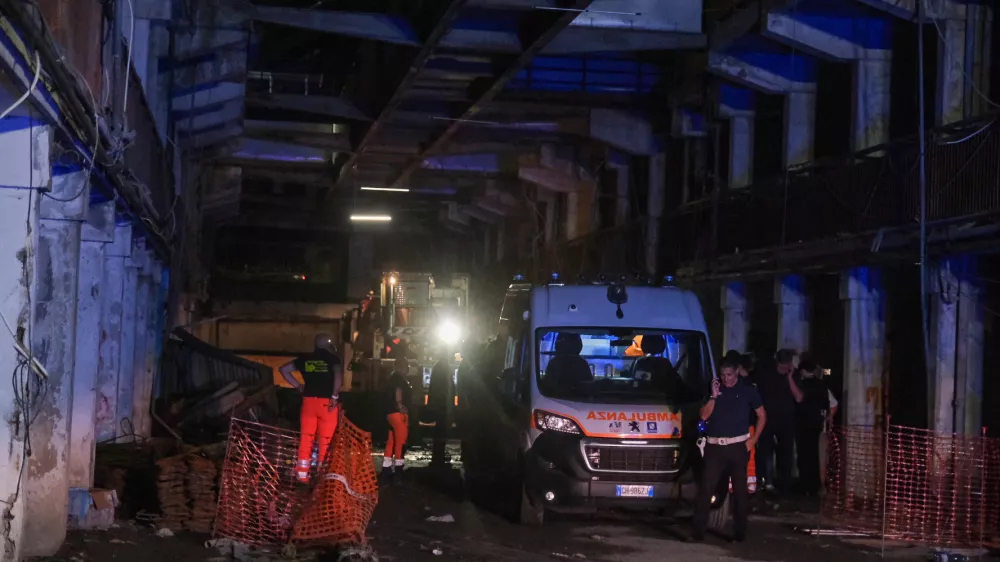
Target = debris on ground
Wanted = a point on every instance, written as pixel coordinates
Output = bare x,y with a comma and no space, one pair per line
187,488
164,533
441,518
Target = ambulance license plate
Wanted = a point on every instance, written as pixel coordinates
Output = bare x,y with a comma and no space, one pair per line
634,491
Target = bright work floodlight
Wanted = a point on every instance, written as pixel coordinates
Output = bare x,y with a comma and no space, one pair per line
371,218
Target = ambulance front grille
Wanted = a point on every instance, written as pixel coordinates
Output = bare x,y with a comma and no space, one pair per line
616,458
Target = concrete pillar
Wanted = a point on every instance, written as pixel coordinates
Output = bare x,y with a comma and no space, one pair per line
117,261
54,285
793,312
97,233
864,345
847,36
159,333
737,105
654,208
956,334
151,331
143,304
126,361
871,101
20,138
735,316
360,263
964,47
800,128
740,151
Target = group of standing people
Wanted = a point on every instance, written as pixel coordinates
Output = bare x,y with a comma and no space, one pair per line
779,406
799,407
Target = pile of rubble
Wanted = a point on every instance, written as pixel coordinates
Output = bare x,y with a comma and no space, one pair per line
170,490
188,492
202,489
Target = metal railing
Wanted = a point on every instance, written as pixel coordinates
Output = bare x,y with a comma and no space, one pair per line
191,366
873,190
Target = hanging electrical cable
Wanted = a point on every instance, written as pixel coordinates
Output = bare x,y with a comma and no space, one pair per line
31,89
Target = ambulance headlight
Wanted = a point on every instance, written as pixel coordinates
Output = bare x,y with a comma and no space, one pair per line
546,421
449,332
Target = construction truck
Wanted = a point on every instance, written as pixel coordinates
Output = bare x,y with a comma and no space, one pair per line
410,316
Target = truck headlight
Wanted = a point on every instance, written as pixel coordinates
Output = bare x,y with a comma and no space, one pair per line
547,421
449,332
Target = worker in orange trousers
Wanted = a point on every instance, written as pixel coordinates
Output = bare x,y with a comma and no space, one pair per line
323,375
397,414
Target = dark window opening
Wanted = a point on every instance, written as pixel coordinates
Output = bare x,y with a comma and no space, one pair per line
769,136
833,117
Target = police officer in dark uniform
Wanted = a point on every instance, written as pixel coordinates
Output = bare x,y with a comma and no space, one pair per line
728,447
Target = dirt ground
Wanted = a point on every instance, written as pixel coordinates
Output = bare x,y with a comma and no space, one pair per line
400,531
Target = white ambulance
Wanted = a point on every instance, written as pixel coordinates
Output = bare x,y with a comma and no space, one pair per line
587,397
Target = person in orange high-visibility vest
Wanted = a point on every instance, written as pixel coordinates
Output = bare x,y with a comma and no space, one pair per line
322,376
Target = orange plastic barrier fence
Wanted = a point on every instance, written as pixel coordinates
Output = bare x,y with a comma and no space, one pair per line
914,485
260,504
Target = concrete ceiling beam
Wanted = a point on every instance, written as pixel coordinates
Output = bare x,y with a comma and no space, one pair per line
376,27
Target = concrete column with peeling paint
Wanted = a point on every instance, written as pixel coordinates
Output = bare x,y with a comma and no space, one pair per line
864,345
737,105
143,301
117,261
97,233
126,362
871,102
735,316
800,128
960,47
54,286
654,209
20,139
158,334
957,333
793,312
754,62
150,353
846,33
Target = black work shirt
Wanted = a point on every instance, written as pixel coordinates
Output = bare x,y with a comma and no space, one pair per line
815,402
776,394
734,404
318,373
397,382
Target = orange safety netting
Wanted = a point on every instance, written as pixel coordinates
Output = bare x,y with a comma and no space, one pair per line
260,504
916,485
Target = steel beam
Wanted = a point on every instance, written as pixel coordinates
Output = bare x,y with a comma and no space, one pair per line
497,86
417,65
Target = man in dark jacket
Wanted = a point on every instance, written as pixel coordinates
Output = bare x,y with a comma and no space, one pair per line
779,390
809,422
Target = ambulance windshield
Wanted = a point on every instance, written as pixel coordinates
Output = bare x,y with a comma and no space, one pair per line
621,366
